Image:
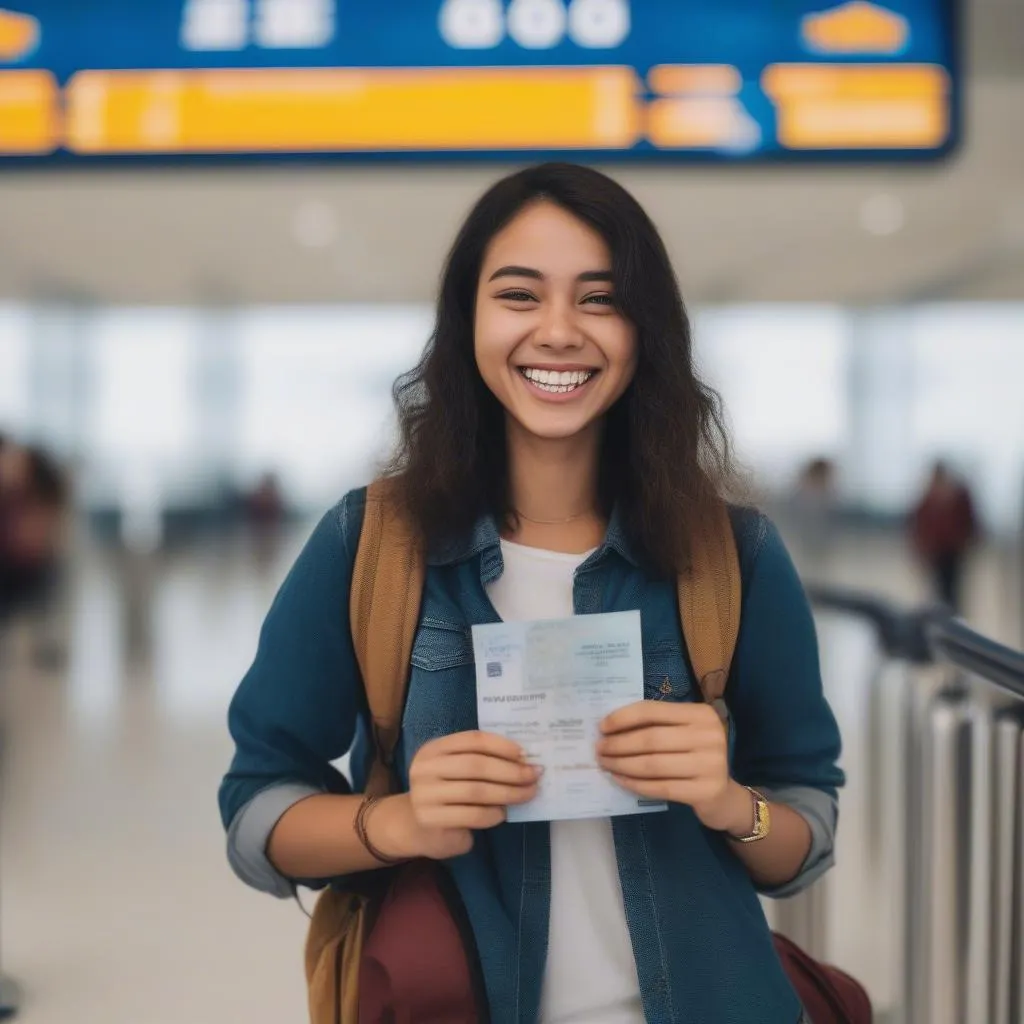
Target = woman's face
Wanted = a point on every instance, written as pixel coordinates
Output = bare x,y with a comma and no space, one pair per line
550,342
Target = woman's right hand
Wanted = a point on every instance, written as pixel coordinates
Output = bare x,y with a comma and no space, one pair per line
458,784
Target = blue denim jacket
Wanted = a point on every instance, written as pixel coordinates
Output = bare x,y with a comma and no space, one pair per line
703,949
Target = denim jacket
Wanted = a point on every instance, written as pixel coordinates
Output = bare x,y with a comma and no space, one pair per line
703,949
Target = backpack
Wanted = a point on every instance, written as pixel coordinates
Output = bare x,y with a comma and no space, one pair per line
366,962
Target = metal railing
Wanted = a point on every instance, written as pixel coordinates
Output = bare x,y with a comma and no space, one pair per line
938,854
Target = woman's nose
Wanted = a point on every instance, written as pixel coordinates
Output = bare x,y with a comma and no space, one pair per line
558,329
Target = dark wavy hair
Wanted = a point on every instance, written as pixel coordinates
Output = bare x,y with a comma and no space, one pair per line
665,460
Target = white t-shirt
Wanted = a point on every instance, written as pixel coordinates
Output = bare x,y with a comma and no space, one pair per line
590,976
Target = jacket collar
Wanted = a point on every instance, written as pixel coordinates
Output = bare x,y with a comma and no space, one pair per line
485,539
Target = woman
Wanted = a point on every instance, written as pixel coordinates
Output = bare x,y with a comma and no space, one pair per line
556,444
943,526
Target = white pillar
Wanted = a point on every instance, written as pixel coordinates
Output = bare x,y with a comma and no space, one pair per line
59,378
881,470
218,383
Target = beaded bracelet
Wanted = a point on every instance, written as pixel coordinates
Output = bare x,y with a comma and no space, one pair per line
360,825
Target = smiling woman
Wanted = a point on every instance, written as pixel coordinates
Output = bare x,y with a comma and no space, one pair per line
550,342
558,453
559,271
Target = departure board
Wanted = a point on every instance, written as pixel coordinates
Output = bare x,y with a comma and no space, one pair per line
86,81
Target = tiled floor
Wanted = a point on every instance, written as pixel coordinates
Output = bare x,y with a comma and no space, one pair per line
117,903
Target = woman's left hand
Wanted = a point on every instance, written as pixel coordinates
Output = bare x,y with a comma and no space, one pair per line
678,753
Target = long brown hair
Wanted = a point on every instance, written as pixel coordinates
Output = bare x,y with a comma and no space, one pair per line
665,462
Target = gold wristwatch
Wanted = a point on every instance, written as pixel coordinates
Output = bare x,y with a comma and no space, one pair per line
762,818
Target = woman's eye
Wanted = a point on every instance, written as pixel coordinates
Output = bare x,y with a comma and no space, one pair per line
601,299
516,296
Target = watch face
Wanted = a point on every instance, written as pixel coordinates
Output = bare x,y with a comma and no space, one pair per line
763,818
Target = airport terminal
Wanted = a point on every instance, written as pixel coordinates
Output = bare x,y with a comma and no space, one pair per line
224,227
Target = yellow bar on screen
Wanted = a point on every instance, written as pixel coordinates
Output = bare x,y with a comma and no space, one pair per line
855,81
859,107
894,124
29,113
338,110
703,79
700,122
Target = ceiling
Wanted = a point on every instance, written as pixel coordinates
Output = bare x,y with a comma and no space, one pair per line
367,234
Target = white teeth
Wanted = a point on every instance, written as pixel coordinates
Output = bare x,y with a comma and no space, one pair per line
557,382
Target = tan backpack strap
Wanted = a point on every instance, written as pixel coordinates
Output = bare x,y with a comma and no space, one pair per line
387,587
709,606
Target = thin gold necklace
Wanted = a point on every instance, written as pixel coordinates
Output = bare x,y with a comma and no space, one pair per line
551,522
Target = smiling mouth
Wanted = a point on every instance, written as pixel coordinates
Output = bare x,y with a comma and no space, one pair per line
557,382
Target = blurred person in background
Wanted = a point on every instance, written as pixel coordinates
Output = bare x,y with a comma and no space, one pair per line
265,512
813,508
264,504
943,527
557,451
33,504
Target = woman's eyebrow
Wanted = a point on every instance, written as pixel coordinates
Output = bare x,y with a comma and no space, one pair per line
513,271
536,275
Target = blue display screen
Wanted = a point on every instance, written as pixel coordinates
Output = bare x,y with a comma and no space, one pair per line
727,80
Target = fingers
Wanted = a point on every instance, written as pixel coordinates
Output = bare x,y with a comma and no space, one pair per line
476,794
466,805
459,782
661,766
647,713
655,739
476,742
485,768
467,780
665,740
473,768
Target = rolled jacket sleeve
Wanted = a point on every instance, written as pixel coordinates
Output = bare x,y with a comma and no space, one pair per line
787,742
298,707
249,833
821,812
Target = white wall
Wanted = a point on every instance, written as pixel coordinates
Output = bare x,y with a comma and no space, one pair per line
187,398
